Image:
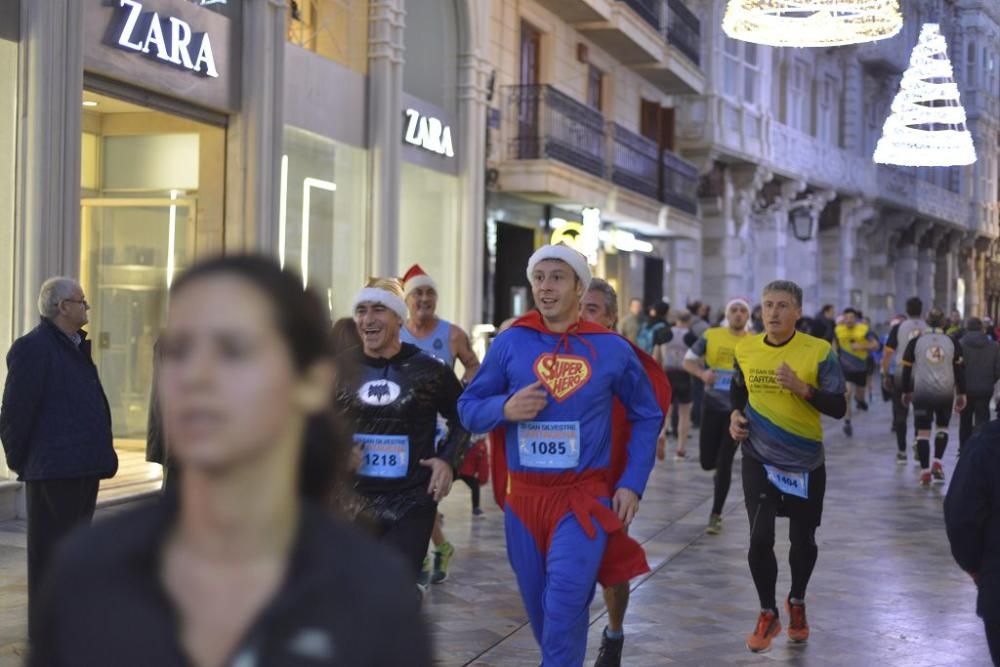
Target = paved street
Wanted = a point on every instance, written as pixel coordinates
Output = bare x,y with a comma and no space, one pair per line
885,591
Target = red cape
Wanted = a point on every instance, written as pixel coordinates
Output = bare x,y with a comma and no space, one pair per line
621,430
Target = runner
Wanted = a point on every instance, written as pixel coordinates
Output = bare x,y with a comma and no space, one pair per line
550,380
934,381
711,359
892,370
447,342
854,343
783,380
395,402
670,353
600,306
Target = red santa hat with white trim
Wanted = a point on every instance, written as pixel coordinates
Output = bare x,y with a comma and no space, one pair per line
416,277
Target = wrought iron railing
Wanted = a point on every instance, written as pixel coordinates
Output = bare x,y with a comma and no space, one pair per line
684,30
633,161
649,10
679,187
551,124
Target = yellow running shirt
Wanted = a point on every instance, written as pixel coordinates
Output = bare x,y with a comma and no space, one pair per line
718,346
853,361
785,430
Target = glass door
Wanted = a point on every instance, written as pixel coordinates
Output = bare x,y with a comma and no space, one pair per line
132,249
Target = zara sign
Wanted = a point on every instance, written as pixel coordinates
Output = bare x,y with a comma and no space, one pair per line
164,38
428,133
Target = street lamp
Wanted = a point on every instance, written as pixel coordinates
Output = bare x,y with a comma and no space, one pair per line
803,225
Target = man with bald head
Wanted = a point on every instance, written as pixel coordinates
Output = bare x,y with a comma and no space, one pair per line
55,425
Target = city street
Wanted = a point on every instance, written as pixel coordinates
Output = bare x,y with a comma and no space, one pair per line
885,590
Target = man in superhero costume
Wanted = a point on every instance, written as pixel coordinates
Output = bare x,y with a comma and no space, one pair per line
551,380
394,402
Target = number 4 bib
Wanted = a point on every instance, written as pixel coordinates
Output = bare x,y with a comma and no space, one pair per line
549,445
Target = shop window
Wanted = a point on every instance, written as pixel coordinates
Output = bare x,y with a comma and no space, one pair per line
334,29
8,143
322,222
152,195
428,230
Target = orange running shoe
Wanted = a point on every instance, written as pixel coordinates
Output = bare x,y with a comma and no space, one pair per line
798,627
768,627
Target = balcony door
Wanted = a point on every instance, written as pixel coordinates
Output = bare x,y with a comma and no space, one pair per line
656,123
530,96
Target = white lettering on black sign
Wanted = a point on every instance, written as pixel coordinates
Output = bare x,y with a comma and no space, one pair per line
168,39
428,133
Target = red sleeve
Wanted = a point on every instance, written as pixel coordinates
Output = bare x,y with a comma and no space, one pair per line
621,432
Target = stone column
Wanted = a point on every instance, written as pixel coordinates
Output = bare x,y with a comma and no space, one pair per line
967,271
853,118
48,174
385,127
725,226
473,76
946,270
906,263
255,135
927,267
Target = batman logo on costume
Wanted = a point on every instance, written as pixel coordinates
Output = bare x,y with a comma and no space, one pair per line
379,392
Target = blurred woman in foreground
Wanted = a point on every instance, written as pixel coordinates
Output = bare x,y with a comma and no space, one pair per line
242,565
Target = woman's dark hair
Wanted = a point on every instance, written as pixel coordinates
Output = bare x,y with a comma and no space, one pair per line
304,323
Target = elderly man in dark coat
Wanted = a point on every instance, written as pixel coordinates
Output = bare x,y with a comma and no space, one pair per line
55,425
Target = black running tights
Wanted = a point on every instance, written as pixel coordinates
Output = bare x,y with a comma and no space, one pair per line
409,536
763,564
716,449
472,482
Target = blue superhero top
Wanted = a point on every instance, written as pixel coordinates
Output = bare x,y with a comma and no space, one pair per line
582,370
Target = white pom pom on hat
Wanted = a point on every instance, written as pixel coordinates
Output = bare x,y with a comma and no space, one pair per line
564,253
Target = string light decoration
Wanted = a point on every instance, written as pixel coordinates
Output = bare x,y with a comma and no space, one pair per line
812,22
926,126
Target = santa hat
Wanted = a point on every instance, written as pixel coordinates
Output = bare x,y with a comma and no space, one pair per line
738,300
416,277
386,291
564,253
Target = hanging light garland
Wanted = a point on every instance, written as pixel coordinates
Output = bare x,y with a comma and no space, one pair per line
926,127
812,22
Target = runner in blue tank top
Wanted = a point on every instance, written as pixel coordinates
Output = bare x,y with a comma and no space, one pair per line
445,341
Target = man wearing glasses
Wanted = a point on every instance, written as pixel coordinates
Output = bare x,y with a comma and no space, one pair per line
55,425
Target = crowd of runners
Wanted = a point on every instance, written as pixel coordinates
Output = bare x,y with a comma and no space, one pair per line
577,403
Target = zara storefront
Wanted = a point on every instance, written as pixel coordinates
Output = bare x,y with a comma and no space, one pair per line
139,149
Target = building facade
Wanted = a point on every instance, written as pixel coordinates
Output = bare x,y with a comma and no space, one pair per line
345,137
581,147
783,139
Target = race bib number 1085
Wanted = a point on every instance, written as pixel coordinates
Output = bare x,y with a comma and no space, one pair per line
549,445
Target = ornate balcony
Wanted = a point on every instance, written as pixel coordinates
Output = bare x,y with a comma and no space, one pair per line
648,10
678,183
575,11
683,30
634,161
552,125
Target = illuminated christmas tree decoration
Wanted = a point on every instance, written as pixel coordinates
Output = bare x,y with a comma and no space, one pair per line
926,126
812,22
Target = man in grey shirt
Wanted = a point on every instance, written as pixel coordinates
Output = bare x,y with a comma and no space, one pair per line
892,369
933,380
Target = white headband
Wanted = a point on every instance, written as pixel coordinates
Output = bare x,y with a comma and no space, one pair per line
385,297
576,261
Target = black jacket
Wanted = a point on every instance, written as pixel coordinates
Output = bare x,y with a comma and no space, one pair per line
982,364
972,516
345,602
403,396
55,422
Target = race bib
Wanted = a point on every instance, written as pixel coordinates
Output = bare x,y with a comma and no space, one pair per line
723,380
549,445
385,456
792,483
